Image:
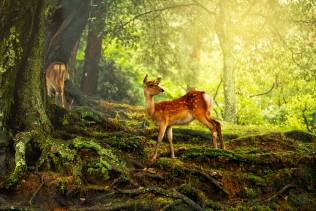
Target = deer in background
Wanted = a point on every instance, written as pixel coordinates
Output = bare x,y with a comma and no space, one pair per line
182,111
56,74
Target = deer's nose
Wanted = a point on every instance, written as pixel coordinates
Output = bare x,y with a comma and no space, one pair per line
162,90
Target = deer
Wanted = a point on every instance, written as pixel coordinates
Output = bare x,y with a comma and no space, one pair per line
55,75
194,105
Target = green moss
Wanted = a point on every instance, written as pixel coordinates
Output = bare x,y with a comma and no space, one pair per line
107,160
125,142
248,150
304,200
21,140
209,152
166,163
193,193
250,192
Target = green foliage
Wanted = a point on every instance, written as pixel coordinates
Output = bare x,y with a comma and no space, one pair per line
272,44
126,142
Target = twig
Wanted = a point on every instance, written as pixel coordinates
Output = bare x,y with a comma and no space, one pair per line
122,25
280,192
305,119
217,89
211,179
36,192
264,93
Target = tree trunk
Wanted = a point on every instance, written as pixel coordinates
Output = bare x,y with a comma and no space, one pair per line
93,49
22,106
21,96
223,25
72,63
229,83
64,29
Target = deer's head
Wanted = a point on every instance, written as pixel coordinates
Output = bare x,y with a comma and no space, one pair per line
152,87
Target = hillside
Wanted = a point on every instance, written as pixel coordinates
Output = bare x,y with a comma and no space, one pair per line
97,159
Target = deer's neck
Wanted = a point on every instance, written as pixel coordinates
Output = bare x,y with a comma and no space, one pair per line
149,105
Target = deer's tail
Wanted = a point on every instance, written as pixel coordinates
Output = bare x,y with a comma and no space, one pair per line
208,102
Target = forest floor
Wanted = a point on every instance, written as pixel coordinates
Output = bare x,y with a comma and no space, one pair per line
98,159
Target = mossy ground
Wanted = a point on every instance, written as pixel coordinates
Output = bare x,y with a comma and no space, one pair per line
95,155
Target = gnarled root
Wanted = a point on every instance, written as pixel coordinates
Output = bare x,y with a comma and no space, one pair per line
21,139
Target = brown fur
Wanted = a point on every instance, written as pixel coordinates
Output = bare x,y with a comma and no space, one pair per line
193,105
56,74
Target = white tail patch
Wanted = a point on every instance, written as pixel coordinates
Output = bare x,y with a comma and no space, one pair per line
209,102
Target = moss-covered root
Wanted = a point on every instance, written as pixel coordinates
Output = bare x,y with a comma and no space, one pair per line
21,139
158,191
107,160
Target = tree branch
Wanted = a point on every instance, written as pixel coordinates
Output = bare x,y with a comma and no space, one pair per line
264,93
217,89
280,192
204,7
305,119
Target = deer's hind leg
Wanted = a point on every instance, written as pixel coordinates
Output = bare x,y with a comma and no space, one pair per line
219,131
211,125
169,134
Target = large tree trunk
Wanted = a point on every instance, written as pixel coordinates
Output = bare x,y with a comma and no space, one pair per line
21,90
21,97
93,49
223,25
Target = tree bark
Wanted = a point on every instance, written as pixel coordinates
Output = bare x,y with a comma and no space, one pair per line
22,105
94,49
64,28
21,96
223,32
72,63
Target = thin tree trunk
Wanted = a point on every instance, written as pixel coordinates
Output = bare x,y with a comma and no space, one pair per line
225,38
72,62
94,49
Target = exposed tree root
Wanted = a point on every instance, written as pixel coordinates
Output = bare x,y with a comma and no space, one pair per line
285,188
36,192
129,205
187,200
21,139
209,178
173,204
172,194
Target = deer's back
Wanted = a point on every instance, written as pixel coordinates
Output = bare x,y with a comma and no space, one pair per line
56,74
191,102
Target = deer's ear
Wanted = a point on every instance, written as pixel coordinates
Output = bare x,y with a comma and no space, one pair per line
158,80
145,79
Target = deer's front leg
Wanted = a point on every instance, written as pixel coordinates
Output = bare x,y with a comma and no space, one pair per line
57,98
169,134
162,130
62,99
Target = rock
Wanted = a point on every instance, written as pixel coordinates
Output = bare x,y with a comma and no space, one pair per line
301,136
